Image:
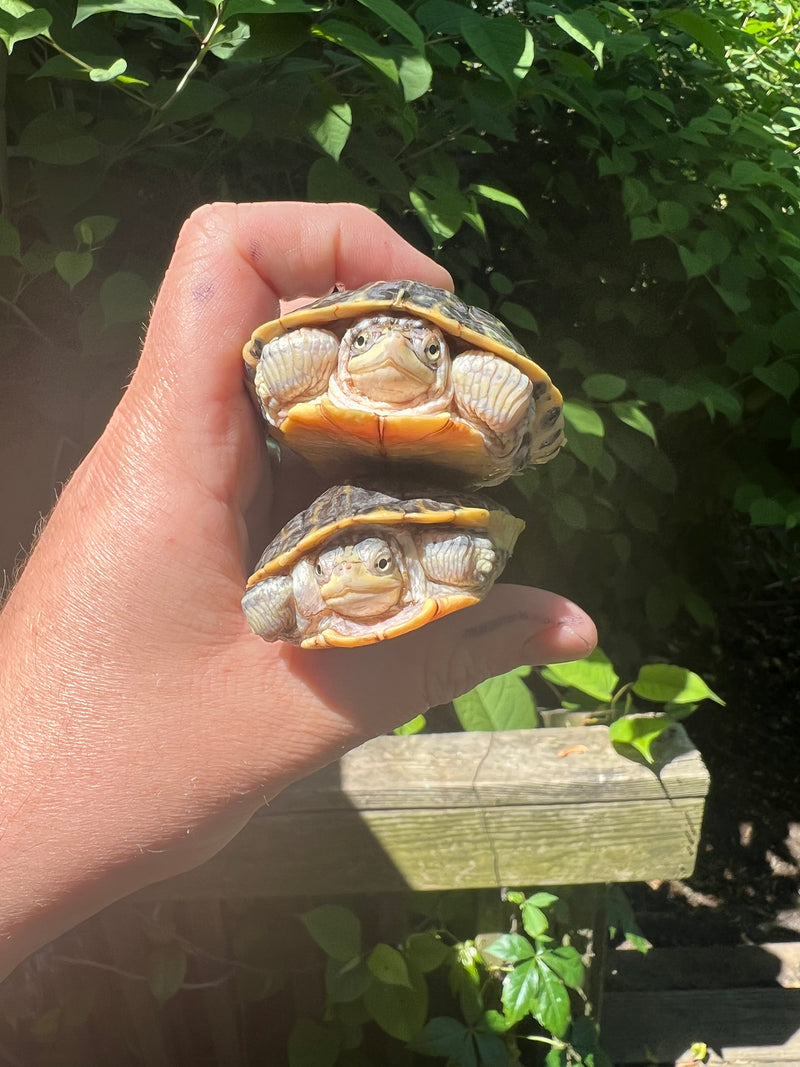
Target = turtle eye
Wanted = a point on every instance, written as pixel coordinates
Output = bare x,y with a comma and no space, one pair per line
360,340
383,563
318,569
433,351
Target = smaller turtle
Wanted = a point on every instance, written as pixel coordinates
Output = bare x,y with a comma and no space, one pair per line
404,373
360,566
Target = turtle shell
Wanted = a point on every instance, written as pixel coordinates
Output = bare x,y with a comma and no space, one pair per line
319,430
346,508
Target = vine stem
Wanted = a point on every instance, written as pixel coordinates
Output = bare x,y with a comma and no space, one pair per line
5,193
205,44
21,315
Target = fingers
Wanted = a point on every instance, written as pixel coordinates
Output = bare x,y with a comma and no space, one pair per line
232,264
389,683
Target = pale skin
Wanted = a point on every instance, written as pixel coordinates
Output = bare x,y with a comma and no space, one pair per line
141,722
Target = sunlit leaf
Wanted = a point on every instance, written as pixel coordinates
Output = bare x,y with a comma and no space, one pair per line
501,703
159,9
664,682
640,732
333,129
388,965
594,675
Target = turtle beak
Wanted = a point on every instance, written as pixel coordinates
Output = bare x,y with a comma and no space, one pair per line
390,370
355,591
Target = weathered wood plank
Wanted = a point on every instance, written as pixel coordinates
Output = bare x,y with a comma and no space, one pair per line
717,967
524,767
466,811
755,1026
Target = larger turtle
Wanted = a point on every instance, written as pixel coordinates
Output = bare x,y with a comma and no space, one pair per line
360,566
404,373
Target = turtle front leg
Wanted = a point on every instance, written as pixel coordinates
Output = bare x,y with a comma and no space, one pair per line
464,561
269,607
493,393
294,367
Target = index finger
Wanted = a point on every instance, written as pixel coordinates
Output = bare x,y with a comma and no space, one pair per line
234,262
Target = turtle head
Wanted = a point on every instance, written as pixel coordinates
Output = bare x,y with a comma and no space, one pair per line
360,578
395,360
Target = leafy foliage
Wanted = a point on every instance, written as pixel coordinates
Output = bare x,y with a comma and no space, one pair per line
592,684
618,180
504,990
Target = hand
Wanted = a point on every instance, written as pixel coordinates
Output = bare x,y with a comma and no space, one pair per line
143,724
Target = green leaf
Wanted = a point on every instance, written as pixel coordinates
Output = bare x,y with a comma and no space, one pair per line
413,726
346,981
518,316
785,333
571,511
355,40
699,28
333,129
441,206
95,229
630,412
694,263
56,137
586,30
715,245
620,916
108,74
20,22
767,512
566,962
502,703
400,1011
73,266
583,419
499,196
663,682
511,948
166,970
531,988
534,920
415,73
394,15
503,44
491,1048
426,951
636,197
158,9
781,377
335,929
330,182
388,965
594,676
9,239
442,1036
672,215
640,732
312,1044
604,386
125,297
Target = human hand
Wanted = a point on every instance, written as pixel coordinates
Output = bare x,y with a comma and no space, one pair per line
143,723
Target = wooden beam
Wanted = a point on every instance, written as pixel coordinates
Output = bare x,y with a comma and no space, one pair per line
467,810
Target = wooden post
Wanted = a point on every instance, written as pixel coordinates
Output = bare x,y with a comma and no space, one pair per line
467,810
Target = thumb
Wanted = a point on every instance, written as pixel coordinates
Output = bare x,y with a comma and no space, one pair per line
383,685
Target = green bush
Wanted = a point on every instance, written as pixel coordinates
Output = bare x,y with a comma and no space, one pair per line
618,181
